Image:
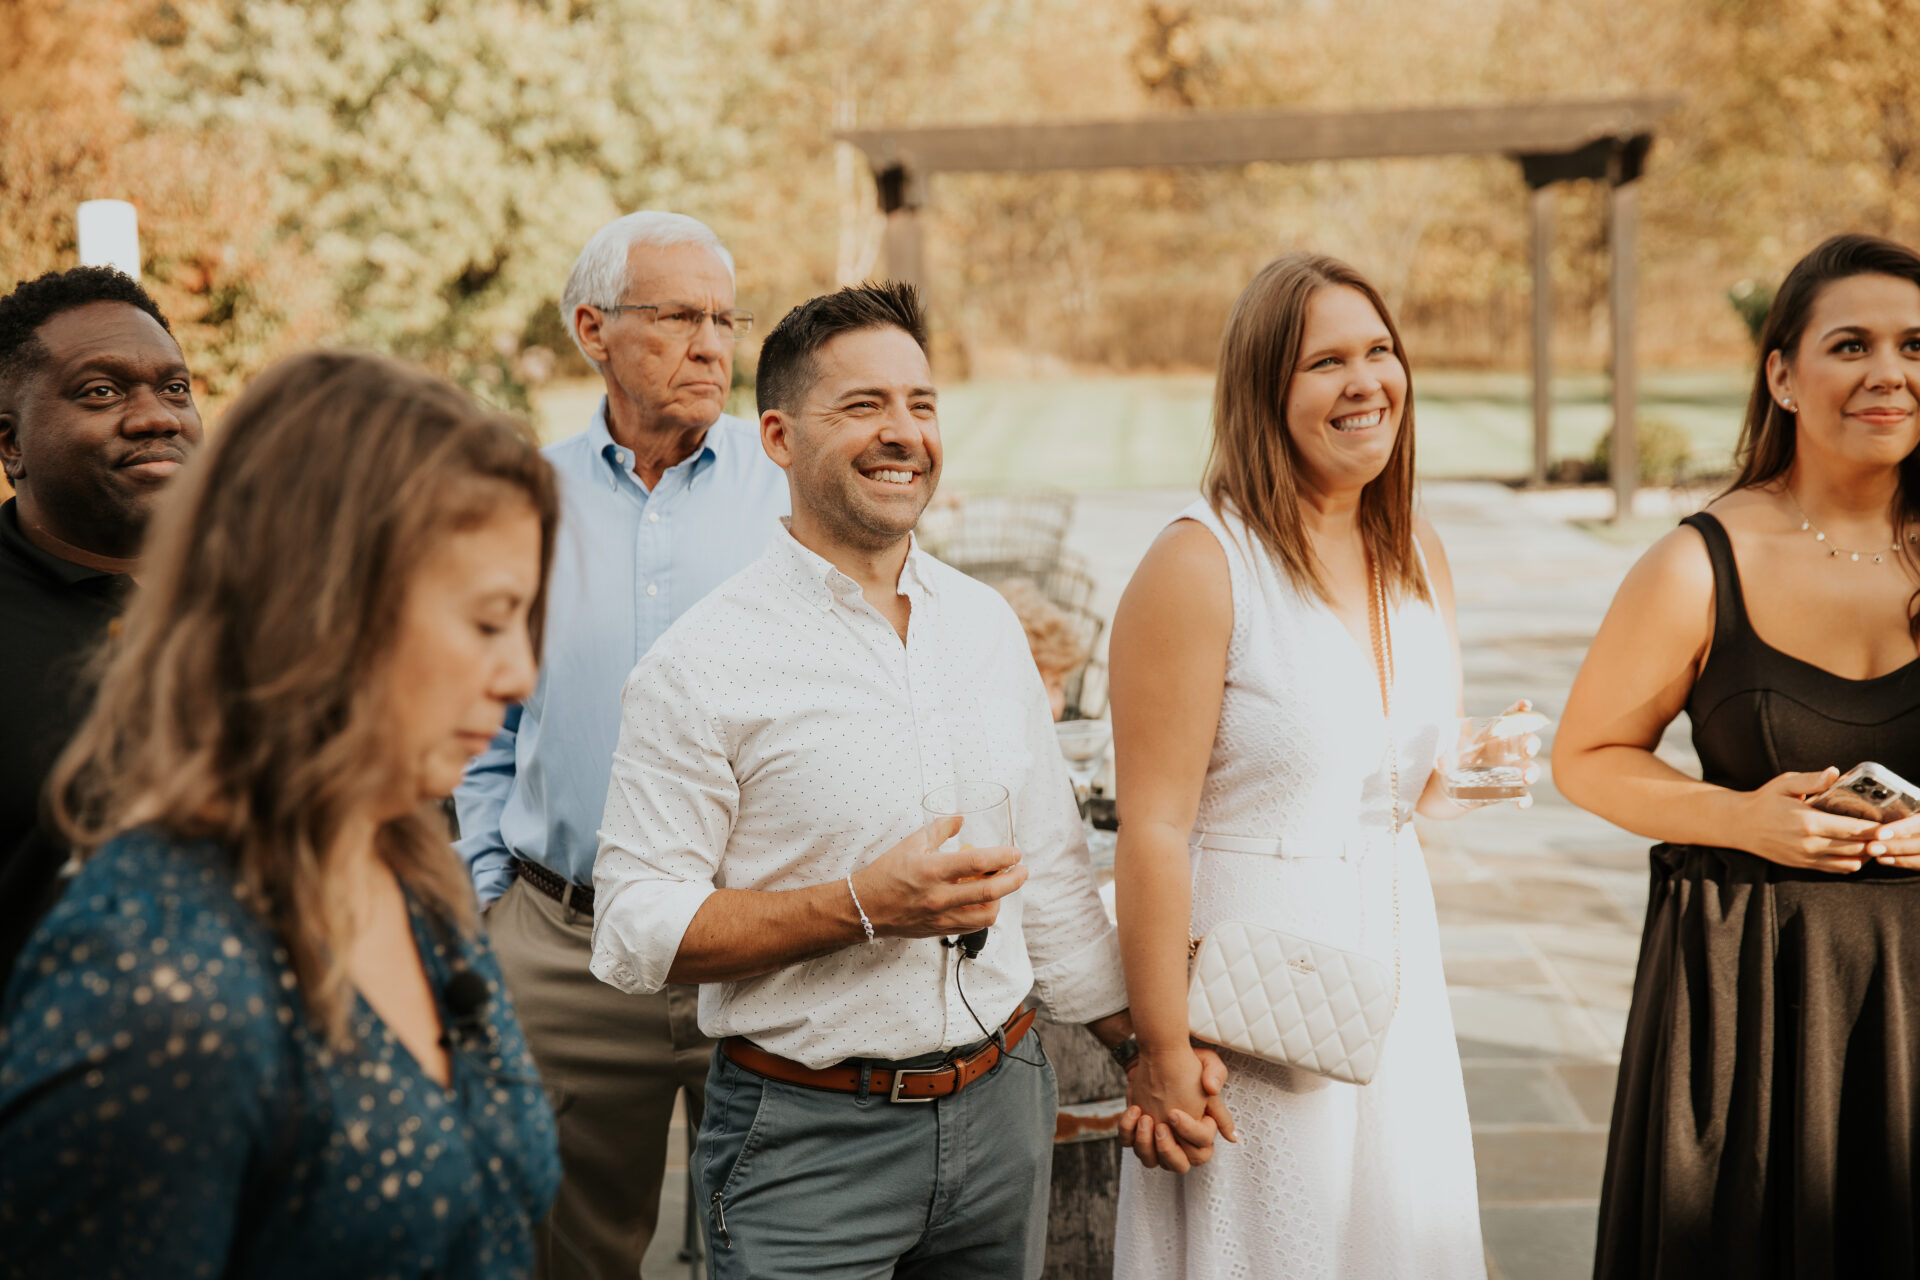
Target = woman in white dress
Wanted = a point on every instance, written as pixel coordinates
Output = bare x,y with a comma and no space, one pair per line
1254,778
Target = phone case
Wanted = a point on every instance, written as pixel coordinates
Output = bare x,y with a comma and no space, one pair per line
1870,792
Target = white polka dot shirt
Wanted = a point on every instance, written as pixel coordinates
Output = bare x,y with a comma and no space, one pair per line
780,735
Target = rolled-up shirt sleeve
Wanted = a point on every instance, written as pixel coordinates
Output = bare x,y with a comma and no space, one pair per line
479,801
1072,945
671,805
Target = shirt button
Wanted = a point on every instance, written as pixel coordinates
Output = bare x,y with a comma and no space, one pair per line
653,589
653,517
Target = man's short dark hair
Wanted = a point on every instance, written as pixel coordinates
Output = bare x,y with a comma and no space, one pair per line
787,365
34,302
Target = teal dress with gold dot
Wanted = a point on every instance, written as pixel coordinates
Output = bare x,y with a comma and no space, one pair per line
167,1109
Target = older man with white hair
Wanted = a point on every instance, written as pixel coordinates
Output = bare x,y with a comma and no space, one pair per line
665,498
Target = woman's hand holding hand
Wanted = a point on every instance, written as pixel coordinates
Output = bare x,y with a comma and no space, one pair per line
1780,826
1174,1110
1213,1077
1896,844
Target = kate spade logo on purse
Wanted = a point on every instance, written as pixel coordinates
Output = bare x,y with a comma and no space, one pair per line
1300,966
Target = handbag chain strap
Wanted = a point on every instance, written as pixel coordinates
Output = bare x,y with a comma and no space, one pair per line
1383,668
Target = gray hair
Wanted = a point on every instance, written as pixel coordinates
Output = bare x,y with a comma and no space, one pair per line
600,277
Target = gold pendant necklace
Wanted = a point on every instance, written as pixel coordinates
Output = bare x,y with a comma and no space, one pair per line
1834,550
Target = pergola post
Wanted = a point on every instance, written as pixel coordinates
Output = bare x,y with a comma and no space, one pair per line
1541,200
900,198
1623,229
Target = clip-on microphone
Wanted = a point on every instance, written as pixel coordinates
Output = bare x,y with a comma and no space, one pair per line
971,944
466,999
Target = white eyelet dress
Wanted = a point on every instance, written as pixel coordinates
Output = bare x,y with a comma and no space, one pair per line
1329,1181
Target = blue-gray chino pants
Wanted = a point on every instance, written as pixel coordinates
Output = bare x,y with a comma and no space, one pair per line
797,1182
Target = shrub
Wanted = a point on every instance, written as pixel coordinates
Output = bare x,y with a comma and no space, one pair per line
1752,299
1664,449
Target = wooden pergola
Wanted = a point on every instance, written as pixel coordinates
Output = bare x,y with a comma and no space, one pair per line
1601,139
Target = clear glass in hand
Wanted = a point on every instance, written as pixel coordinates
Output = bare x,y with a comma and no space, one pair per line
1489,758
1084,744
986,817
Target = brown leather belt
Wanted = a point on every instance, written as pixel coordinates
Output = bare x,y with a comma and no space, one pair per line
901,1084
559,888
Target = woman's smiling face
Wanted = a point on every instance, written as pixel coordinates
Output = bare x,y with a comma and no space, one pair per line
1349,391
1853,382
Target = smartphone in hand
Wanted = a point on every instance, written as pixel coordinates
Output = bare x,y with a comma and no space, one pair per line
1870,792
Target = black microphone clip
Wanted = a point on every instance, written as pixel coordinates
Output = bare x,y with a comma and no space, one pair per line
466,998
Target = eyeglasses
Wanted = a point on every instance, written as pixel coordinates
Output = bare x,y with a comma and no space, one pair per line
679,321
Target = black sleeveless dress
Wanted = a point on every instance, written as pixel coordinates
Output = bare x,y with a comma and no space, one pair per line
1768,1105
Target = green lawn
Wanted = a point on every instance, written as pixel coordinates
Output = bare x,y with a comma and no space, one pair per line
1151,431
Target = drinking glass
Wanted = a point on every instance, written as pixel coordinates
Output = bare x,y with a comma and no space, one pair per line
1488,758
1084,744
986,817
986,822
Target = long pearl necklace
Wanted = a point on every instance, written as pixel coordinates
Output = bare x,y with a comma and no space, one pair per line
1834,550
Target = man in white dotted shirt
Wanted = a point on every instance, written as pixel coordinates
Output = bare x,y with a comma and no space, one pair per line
876,1107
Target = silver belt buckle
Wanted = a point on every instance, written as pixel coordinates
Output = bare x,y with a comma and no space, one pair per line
900,1075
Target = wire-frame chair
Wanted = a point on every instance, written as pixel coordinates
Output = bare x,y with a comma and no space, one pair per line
1001,538
1068,587
1012,530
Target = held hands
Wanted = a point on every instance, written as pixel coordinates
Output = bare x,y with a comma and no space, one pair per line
1182,1084
915,891
1782,827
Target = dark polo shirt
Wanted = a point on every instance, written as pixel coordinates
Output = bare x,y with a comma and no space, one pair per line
53,613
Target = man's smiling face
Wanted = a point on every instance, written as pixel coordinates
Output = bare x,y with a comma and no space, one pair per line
866,449
91,435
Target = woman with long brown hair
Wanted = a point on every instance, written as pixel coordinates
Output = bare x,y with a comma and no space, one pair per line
1283,664
259,1035
1767,1108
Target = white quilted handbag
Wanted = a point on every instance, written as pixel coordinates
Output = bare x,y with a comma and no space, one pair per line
1291,1000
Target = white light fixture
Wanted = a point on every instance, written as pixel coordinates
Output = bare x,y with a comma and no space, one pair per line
110,236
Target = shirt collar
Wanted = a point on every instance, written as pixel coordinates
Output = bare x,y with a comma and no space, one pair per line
816,578
15,542
620,460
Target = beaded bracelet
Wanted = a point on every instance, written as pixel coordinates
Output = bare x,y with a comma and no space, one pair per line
864,922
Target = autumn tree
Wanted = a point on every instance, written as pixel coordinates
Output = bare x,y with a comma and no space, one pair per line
236,294
441,161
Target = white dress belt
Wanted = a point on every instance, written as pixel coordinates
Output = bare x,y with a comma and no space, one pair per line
1338,844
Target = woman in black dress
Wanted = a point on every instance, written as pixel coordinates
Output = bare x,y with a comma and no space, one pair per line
1769,1095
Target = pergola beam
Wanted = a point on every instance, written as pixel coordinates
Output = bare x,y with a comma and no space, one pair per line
1246,137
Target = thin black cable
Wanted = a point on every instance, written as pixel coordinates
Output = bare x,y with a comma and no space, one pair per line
1006,1050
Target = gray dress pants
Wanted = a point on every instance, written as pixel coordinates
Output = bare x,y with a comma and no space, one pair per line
612,1064
796,1182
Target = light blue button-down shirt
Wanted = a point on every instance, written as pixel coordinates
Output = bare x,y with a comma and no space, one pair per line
626,564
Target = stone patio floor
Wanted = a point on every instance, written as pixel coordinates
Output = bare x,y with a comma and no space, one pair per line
1539,911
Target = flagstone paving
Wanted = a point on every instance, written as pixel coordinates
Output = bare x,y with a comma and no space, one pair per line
1539,910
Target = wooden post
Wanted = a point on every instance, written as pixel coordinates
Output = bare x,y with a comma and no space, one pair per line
1623,216
899,189
1541,199
1085,1197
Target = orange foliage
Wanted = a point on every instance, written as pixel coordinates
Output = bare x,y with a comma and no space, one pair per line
233,289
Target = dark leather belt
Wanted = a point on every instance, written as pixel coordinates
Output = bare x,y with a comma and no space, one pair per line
899,1084
559,888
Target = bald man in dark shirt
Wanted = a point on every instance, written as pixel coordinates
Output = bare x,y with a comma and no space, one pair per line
96,416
